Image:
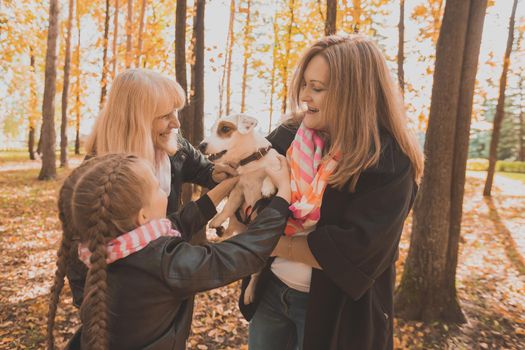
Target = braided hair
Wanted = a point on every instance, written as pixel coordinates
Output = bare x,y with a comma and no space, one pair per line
68,245
99,201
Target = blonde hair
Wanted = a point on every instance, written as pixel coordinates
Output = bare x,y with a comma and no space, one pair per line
362,97
99,201
137,97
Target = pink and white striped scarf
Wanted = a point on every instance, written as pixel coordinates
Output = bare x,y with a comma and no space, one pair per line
309,174
131,242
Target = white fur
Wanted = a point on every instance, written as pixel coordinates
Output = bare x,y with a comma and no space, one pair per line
253,182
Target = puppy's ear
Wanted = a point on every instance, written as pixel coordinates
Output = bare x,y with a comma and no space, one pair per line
245,123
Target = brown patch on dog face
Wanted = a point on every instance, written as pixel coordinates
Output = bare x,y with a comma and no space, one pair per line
225,129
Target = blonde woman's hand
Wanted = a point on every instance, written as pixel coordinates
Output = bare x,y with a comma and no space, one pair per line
222,171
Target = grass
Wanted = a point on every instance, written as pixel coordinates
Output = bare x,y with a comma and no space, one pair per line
514,176
15,156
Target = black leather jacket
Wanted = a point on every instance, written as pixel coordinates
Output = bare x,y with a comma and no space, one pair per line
150,292
187,165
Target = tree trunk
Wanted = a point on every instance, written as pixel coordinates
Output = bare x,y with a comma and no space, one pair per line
180,62
129,30
247,30
426,291
463,121
500,107
65,89
401,47
197,88
141,31
521,154
180,74
230,53
287,56
226,73
104,75
77,101
331,17
48,170
33,106
197,73
115,37
274,67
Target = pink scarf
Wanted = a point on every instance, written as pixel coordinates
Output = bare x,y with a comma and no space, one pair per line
131,242
309,174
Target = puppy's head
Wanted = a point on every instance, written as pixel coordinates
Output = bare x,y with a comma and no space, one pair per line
229,133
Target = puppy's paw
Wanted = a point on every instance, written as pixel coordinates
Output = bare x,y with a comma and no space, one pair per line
268,189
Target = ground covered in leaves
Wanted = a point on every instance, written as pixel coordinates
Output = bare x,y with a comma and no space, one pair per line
490,276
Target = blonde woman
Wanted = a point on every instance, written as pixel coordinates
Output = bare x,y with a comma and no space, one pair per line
140,117
354,174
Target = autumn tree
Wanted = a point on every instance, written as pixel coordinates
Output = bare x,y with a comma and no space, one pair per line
77,84
65,88
247,52
129,34
331,17
427,291
114,51
500,108
225,86
140,34
401,46
105,41
197,73
286,60
48,170
32,106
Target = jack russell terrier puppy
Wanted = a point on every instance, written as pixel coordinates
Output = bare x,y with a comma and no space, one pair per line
234,140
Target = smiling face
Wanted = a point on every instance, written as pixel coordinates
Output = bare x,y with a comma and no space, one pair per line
164,131
313,92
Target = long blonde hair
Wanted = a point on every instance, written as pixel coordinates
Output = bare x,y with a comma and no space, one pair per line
362,97
137,97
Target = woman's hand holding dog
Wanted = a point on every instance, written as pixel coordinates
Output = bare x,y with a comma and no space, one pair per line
223,171
281,178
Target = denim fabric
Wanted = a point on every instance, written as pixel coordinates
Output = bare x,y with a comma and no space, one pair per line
278,323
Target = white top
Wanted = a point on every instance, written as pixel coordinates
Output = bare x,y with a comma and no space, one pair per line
294,274
163,173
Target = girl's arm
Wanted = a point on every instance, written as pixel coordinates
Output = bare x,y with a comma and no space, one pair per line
194,215
188,269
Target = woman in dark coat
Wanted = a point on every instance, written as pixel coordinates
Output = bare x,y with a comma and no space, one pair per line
331,283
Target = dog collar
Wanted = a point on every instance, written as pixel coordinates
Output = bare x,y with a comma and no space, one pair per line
261,152
215,156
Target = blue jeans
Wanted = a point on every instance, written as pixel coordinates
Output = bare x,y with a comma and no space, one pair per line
278,323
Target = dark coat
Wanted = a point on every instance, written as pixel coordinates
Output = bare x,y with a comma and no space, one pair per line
356,244
187,165
152,290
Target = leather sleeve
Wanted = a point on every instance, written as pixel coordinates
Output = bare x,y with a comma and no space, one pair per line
196,168
193,216
188,269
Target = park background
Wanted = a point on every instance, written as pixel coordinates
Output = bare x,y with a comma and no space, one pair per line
238,56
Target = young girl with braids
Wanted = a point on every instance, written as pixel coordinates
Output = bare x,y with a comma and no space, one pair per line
142,273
